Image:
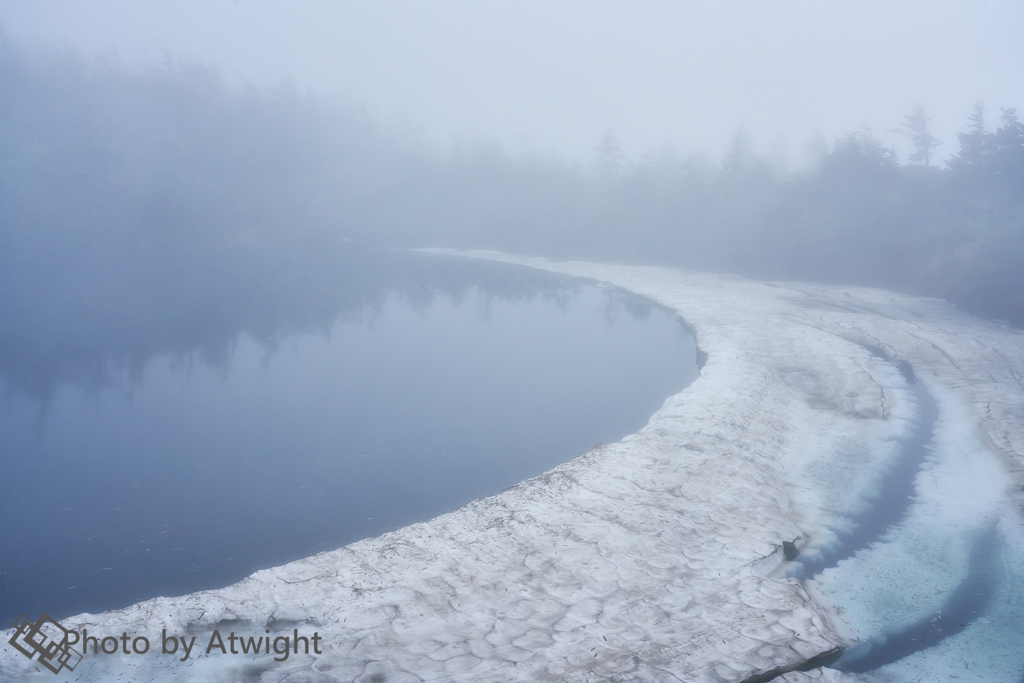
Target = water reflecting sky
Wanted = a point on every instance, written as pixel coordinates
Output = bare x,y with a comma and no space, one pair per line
149,459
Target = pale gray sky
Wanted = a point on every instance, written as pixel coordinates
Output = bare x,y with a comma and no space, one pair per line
551,76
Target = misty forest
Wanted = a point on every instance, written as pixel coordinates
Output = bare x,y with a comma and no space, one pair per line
160,213
229,197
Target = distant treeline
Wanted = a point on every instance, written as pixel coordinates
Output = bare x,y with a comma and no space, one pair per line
121,193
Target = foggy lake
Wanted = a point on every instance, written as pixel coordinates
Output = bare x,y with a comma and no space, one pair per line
263,294
421,383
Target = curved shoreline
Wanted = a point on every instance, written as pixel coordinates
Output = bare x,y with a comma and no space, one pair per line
648,559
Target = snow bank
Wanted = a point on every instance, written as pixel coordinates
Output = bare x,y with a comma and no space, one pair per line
654,559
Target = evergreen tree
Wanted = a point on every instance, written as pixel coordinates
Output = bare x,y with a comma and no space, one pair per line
816,148
975,144
740,155
609,160
1009,140
924,142
1008,153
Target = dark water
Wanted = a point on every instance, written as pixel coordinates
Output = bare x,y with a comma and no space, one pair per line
892,502
969,601
182,448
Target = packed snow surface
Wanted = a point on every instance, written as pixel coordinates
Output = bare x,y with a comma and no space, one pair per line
661,557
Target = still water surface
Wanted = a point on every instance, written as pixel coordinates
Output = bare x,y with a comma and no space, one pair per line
410,387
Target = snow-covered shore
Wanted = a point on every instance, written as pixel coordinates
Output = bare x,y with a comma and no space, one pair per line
658,558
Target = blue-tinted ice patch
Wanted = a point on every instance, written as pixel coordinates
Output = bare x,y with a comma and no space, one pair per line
886,499
990,647
947,580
